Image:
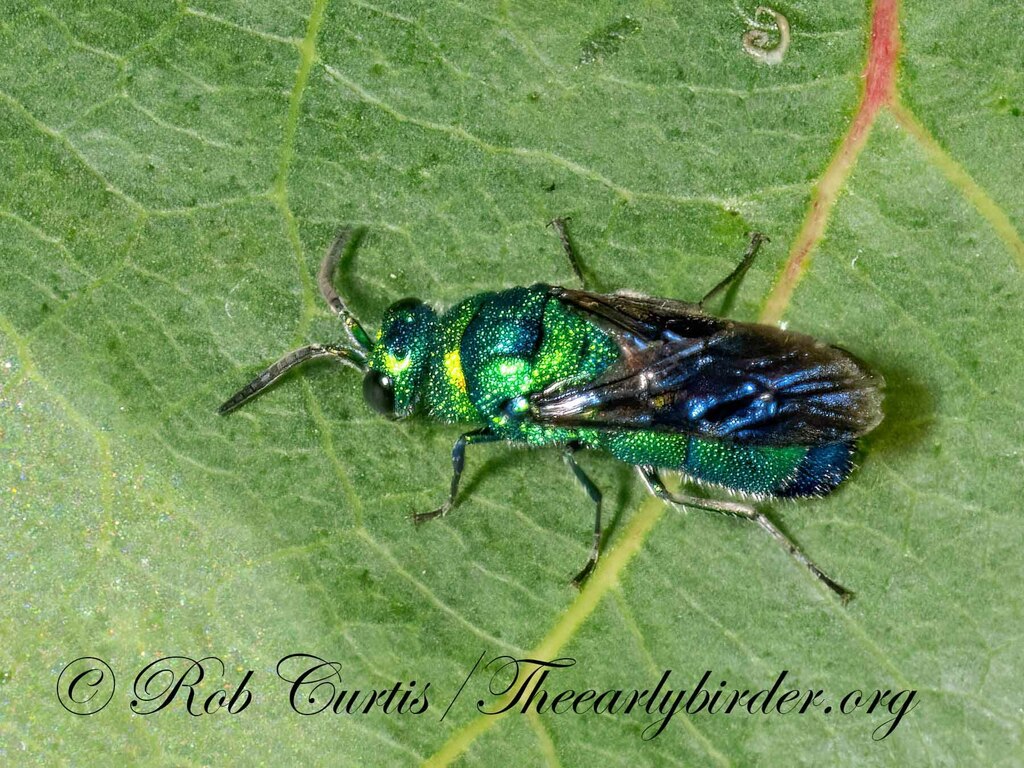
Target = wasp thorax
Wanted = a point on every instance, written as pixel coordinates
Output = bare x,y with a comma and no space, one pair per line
397,361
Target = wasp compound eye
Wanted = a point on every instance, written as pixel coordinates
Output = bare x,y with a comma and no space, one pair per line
379,391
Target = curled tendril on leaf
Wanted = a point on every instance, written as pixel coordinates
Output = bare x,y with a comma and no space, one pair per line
758,41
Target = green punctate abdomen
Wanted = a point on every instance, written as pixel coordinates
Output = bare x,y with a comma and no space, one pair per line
759,470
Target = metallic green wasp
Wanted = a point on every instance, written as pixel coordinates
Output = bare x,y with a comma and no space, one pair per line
658,383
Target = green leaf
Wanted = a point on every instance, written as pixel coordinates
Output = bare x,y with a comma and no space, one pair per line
169,177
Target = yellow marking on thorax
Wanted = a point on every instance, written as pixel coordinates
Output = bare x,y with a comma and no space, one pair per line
453,367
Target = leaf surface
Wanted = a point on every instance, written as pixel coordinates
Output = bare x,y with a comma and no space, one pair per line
169,177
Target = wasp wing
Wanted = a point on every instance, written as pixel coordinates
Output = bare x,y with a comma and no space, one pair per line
682,370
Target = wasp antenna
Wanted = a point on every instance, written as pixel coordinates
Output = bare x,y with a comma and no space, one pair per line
325,279
348,356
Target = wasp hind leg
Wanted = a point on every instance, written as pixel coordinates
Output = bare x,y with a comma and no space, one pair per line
595,496
756,238
654,484
458,463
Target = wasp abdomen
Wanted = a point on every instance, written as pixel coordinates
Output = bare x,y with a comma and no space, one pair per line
757,470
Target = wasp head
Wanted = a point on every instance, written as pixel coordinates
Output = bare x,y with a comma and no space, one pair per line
398,358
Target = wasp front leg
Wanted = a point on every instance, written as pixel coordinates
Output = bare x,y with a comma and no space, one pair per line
458,462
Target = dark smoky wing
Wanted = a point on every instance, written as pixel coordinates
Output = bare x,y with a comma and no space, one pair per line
647,318
743,382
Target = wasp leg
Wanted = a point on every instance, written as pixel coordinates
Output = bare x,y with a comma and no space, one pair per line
654,484
756,238
285,364
570,252
324,277
458,462
595,496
